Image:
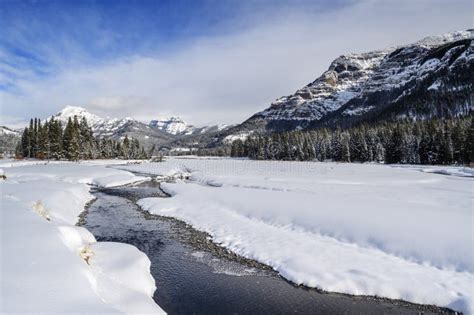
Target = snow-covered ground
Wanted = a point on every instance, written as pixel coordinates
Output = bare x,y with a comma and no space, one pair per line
394,231
48,265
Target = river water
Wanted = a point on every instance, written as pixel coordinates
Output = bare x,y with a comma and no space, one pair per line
193,280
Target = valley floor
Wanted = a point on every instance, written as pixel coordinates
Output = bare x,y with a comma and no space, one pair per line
402,232
393,231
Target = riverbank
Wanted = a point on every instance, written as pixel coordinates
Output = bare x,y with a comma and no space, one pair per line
49,265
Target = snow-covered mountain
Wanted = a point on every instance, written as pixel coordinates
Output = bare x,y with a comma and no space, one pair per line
172,125
177,126
101,127
169,132
5,131
115,127
9,139
429,78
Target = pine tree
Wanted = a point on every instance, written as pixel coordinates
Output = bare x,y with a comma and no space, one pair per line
394,151
125,148
25,143
71,140
34,138
43,142
469,146
55,139
31,136
345,149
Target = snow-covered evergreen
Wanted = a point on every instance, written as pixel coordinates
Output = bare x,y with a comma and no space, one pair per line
425,142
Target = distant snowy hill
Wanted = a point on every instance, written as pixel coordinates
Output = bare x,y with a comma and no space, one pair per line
172,125
430,78
177,126
9,139
7,131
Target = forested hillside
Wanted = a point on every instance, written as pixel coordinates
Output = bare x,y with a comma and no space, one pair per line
424,142
75,142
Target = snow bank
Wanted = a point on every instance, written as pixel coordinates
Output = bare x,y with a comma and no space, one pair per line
51,266
444,170
352,228
123,277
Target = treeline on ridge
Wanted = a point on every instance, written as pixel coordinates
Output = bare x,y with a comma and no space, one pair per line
437,141
76,141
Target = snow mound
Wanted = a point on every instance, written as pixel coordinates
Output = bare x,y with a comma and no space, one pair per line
51,266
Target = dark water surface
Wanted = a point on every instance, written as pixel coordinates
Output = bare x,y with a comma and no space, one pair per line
193,281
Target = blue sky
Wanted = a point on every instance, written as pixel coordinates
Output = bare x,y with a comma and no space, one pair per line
207,61
43,36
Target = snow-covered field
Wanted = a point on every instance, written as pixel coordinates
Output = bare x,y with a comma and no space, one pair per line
402,232
48,265
394,231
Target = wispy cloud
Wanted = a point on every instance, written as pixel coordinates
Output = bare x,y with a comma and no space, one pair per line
229,76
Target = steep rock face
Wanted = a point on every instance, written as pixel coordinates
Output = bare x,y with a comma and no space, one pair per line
430,78
340,83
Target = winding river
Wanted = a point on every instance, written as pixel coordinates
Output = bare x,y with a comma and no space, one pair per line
195,276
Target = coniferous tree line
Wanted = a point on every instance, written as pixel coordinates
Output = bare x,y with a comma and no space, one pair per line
49,140
437,141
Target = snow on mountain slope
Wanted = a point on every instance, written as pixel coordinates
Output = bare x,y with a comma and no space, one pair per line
356,75
172,125
116,128
177,126
340,83
5,131
429,78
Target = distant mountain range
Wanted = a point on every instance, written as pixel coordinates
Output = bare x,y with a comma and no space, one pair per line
161,133
433,77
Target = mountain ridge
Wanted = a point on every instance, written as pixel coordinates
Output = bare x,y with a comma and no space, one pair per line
432,77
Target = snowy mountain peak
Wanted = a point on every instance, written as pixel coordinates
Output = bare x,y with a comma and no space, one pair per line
71,111
100,126
172,125
438,40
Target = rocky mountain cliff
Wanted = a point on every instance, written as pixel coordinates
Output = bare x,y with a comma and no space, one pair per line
430,78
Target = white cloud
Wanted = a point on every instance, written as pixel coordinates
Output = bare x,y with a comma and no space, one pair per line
227,78
13,122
